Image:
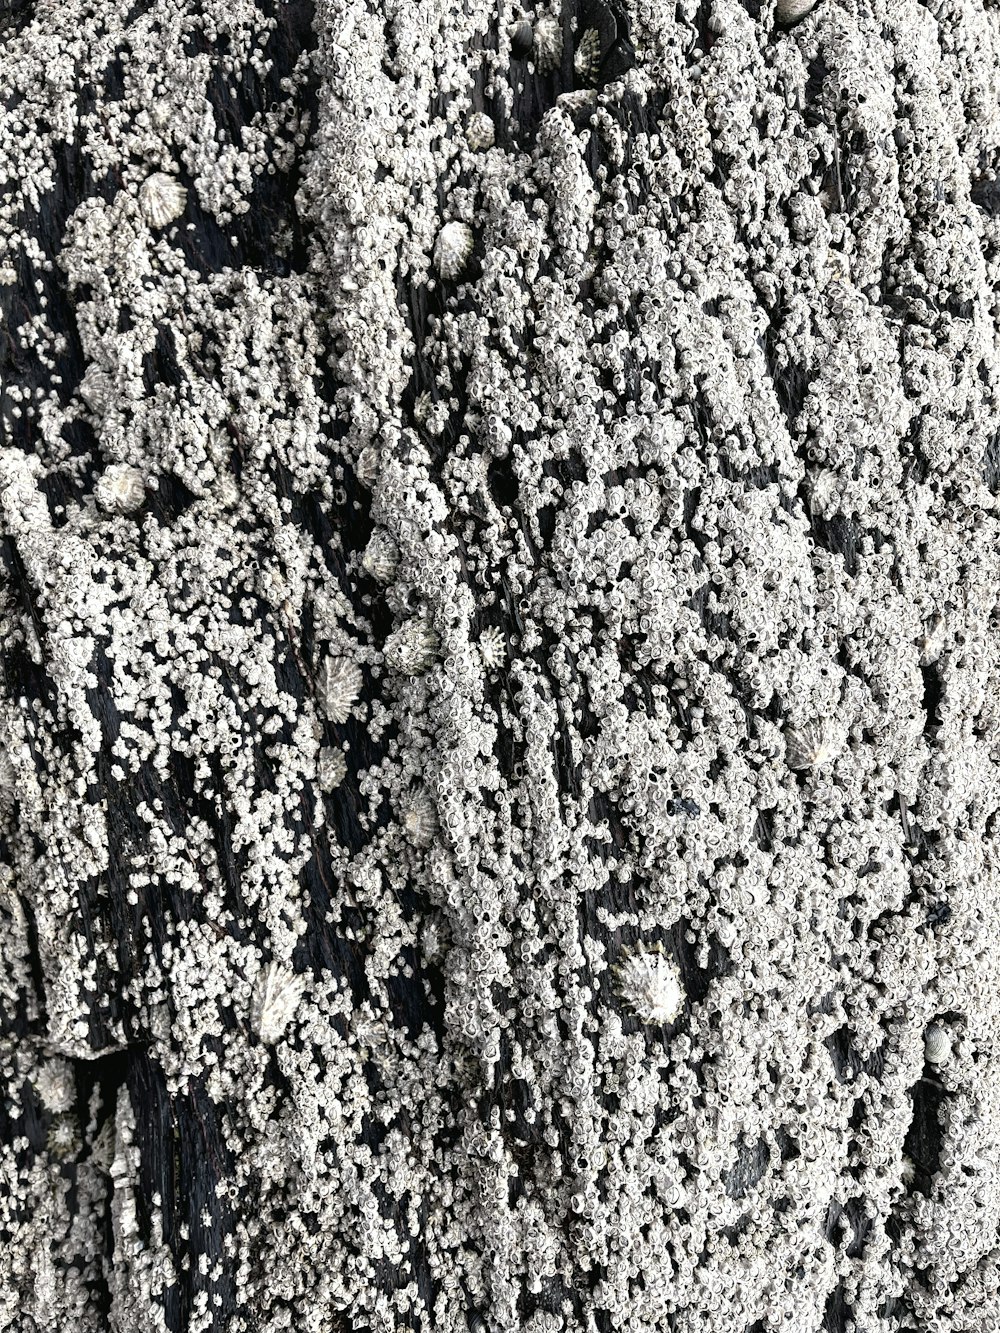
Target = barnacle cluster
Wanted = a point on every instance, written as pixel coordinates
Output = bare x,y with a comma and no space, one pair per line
392,637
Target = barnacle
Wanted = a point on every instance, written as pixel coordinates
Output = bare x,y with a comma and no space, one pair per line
120,489
548,44
813,744
411,648
650,984
587,57
162,199
276,995
339,687
453,248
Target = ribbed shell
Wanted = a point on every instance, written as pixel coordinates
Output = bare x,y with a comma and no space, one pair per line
650,985
162,199
548,46
331,768
276,995
453,248
420,818
937,1045
411,648
587,58
813,744
339,687
381,557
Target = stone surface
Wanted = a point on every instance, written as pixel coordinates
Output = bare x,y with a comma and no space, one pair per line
311,1009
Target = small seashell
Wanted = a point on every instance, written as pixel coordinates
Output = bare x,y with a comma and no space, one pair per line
937,1045
95,389
650,984
548,44
411,648
162,199
453,248
787,12
480,132
339,687
420,819
587,58
381,556
331,768
120,489
492,647
814,744
366,468
521,37
276,995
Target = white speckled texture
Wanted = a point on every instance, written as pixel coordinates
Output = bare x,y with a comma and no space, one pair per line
400,637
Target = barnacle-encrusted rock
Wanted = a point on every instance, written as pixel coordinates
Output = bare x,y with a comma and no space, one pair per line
162,199
704,430
275,998
340,684
650,985
452,248
120,489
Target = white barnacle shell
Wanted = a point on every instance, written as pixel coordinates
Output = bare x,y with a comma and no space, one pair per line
420,817
331,768
937,1045
492,647
381,556
339,687
162,199
480,132
276,995
813,744
411,648
120,489
650,985
587,58
548,43
452,248
790,11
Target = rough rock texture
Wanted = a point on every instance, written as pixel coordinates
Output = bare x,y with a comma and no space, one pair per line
499,721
